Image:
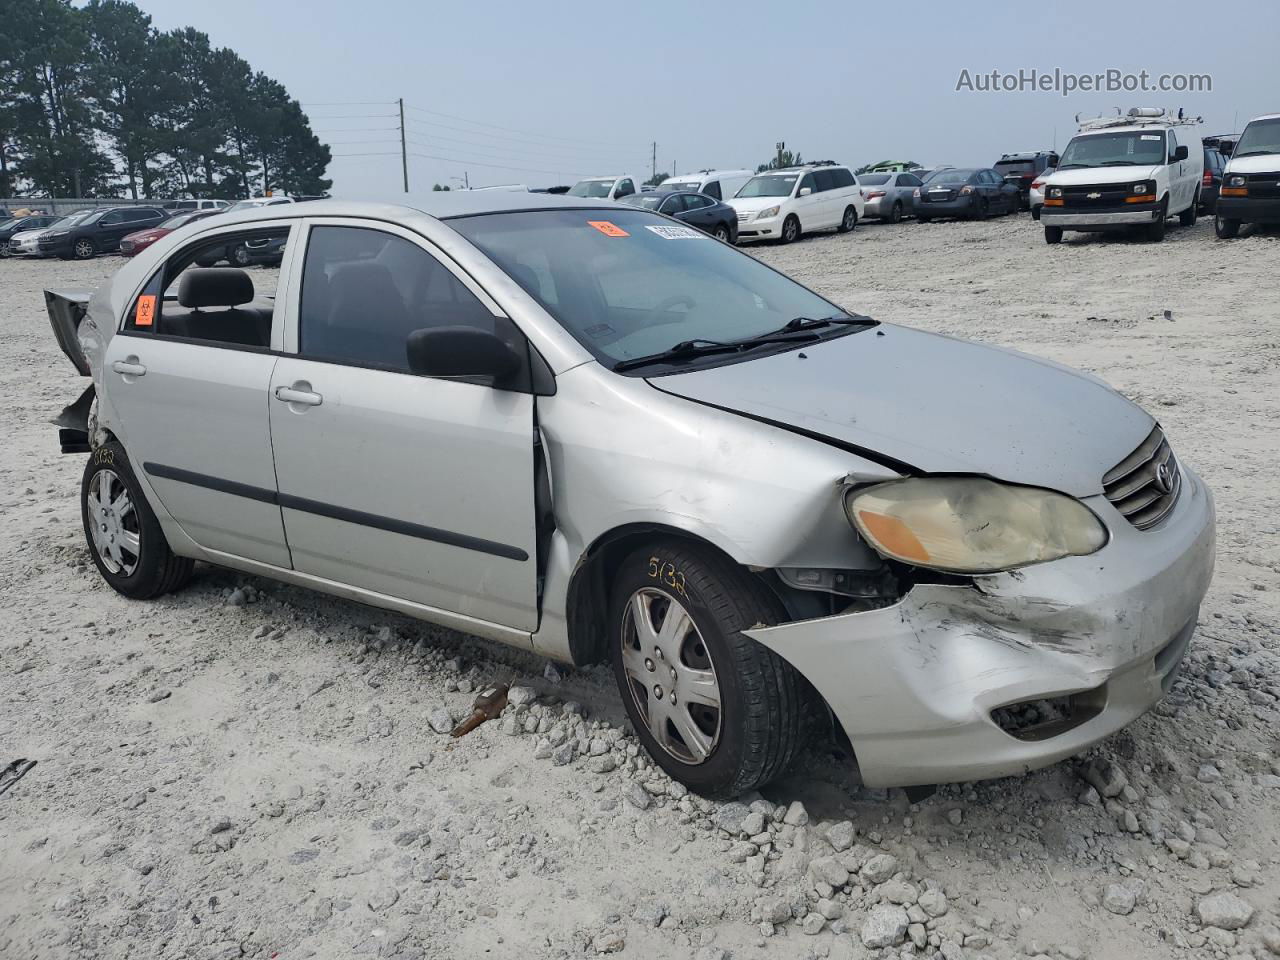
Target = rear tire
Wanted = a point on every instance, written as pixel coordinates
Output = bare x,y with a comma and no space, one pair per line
126,542
1052,234
721,233
849,221
1226,229
895,214
984,209
754,733
790,229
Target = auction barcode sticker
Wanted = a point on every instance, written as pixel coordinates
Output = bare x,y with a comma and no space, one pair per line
678,233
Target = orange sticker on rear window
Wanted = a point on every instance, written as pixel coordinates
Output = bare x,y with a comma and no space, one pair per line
608,229
146,312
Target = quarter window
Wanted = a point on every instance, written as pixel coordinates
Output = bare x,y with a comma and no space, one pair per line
712,189
843,178
364,291
826,180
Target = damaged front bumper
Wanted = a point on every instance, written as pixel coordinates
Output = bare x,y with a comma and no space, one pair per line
919,686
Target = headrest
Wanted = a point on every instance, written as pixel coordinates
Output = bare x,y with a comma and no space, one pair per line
214,287
359,277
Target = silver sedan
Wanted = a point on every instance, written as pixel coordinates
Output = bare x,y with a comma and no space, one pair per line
584,430
888,196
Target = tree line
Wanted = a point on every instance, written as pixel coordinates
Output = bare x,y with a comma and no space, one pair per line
95,102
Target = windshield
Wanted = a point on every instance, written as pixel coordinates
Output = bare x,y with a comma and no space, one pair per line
1135,148
636,284
770,185
591,188
6,224
649,201
70,221
950,176
96,215
1259,137
873,179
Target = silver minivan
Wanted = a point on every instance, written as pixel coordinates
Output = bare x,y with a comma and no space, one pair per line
594,433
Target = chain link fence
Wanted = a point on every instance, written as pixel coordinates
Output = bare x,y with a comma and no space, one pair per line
62,206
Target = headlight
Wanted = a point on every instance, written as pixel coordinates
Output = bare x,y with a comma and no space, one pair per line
971,524
1236,181
1144,187
1055,193
966,189
766,213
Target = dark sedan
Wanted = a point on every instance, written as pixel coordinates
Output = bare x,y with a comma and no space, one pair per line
14,225
696,209
974,193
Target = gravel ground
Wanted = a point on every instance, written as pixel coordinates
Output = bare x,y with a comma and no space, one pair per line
247,769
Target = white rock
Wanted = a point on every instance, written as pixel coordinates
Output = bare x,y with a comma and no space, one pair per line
521,695
1225,911
885,926
1119,899
796,815
879,868
829,870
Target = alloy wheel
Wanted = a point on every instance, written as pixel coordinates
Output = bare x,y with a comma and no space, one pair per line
84,249
671,676
113,523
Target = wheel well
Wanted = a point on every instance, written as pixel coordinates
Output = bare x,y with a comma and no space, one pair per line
588,595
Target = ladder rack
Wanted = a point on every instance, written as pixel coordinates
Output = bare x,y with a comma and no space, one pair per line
1137,117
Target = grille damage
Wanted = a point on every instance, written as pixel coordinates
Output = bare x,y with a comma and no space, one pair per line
1144,486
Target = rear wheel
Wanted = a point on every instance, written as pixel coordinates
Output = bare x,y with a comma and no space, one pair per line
984,209
790,229
1226,229
128,547
1052,234
849,220
721,233
895,214
716,710
84,248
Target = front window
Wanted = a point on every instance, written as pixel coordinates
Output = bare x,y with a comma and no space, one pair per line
628,284
1259,137
595,189
770,185
1133,148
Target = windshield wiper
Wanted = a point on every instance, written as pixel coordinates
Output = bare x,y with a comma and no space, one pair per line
1119,163
797,324
1068,166
688,349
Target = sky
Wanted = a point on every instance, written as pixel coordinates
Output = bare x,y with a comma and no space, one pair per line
500,91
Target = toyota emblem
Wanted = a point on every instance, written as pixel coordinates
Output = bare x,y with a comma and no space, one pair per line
1164,477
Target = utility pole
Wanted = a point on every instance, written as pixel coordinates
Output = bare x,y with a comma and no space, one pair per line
781,145
653,167
404,155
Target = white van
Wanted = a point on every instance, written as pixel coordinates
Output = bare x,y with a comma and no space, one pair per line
1125,172
783,204
604,188
720,184
1251,181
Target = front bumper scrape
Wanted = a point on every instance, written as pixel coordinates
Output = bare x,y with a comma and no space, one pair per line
914,685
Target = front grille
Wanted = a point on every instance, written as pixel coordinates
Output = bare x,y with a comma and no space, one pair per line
744,217
1107,195
1265,186
1144,486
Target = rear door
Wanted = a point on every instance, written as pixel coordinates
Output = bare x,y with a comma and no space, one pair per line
412,487
187,380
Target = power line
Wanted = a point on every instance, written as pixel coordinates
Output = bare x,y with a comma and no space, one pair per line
355,130
478,123
477,163
428,124
518,151
347,103
357,116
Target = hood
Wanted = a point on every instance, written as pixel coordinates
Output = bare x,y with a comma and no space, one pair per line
752,204
153,233
29,234
937,405
1084,176
1262,163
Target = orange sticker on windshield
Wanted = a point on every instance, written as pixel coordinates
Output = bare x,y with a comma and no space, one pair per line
608,229
146,313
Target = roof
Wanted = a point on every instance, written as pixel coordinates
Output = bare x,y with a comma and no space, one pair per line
440,204
1147,127
1267,116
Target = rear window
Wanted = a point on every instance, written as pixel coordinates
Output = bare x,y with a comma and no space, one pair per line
1008,167
874,179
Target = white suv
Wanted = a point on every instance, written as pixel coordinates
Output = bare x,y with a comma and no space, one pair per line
782,204
1122,173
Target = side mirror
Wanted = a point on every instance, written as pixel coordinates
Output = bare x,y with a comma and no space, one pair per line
805,191
461,352
1180,153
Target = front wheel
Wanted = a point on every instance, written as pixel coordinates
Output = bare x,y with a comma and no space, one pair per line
716,710
1052,234
790,229
84,249
1155,230
240,256
128,547
1187,217
848,221
1226,229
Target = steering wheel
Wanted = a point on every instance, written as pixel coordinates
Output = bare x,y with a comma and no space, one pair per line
664,307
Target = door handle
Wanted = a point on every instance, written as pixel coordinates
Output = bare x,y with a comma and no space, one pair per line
129,367
300,393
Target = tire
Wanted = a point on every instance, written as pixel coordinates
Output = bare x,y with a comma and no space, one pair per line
84,249
790,230
1187,217
763,702
849,221
1226,229
124,537
1155,231
1052,234
721,233
984,209
1035,213
895,214
239,256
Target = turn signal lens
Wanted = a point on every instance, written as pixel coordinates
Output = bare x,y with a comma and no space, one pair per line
1145,198
972,524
